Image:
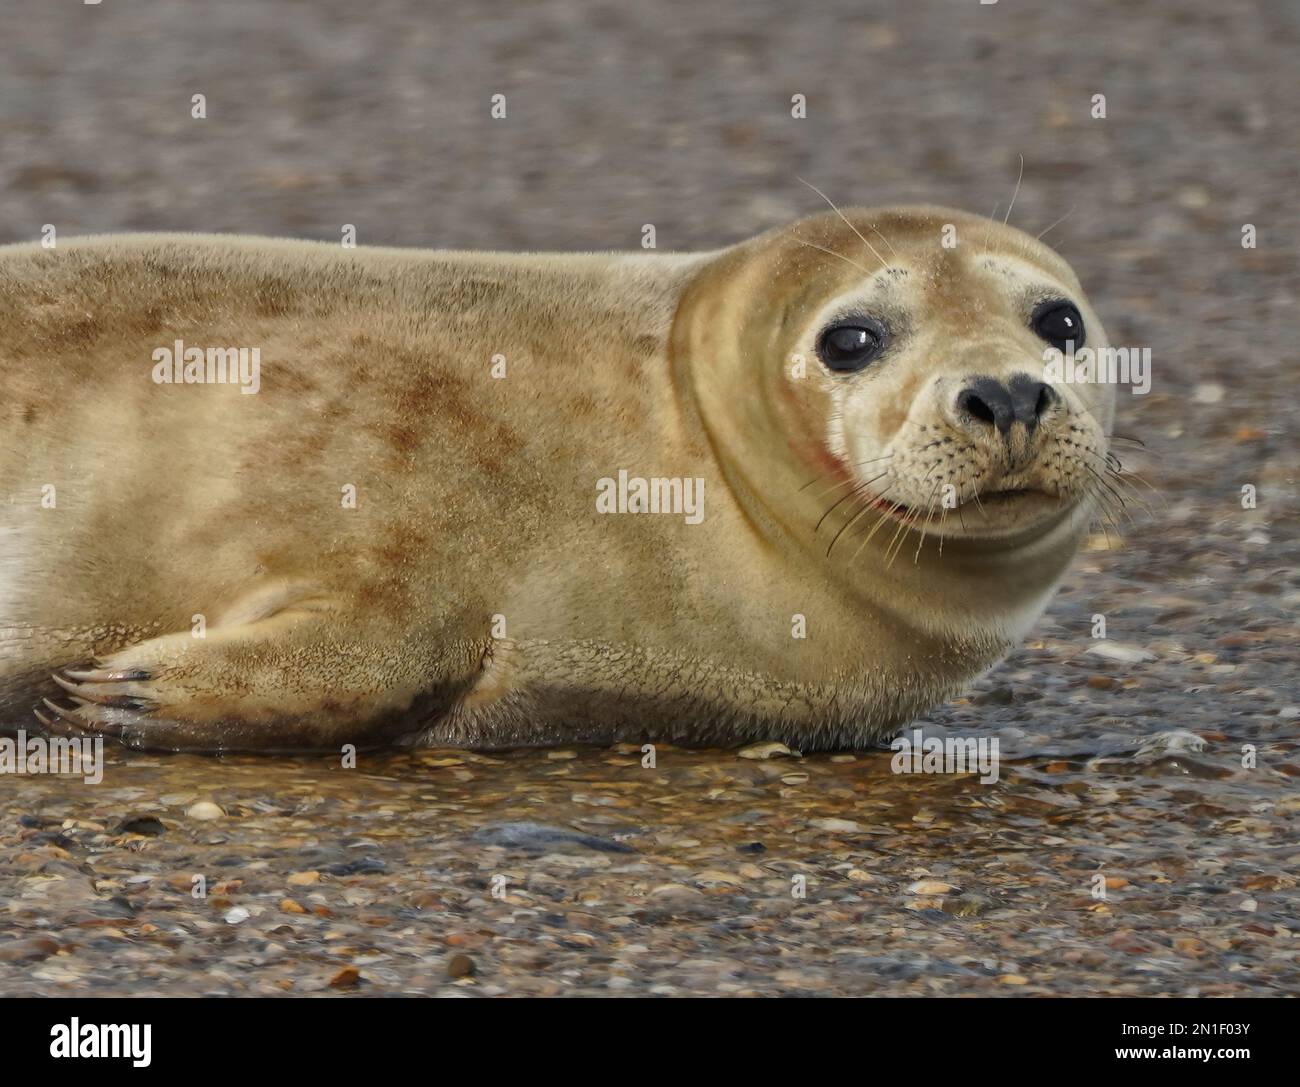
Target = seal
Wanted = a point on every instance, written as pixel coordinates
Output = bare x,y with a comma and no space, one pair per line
265,494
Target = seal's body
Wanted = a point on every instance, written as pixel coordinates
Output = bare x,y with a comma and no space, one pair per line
419,515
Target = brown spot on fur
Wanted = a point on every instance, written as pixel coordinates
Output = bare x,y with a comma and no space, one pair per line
429,390
286,379
497,450
78,332
405,544
404,438
338,410
149,321
273,297
645,345
384,594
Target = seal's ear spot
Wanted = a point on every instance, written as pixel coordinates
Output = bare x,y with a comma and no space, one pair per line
850,344
1059,323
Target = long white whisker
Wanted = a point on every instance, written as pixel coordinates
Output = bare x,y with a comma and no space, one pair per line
883,239
1019,177
1057,222
883,263
831,252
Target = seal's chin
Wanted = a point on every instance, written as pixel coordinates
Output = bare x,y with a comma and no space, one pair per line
986,514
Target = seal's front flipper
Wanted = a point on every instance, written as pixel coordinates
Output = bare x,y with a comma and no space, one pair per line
310,675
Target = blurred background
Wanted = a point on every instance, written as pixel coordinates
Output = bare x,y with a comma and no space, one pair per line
678,113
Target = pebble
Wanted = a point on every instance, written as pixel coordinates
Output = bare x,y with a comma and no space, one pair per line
149,826
1172,741
22,951
714,876
461,966
1121,652
842,826
932,887
347,978
769,750
673,889
205,810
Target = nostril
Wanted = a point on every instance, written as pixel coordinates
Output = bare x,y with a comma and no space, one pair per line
1046,398
974,405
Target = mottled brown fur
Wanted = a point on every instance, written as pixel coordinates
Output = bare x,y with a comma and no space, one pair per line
476,495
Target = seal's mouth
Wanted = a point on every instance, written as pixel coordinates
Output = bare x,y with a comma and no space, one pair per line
896,510
1011,494
1002,500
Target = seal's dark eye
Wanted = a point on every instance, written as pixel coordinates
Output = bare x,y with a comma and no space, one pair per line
852,343
1059,324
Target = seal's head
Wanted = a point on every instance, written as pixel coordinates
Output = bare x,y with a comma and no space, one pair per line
910,360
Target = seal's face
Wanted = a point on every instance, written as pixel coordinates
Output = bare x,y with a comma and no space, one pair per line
936,372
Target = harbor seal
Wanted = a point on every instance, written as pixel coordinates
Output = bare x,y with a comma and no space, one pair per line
266,494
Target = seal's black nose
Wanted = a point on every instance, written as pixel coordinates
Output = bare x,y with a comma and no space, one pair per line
990,402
